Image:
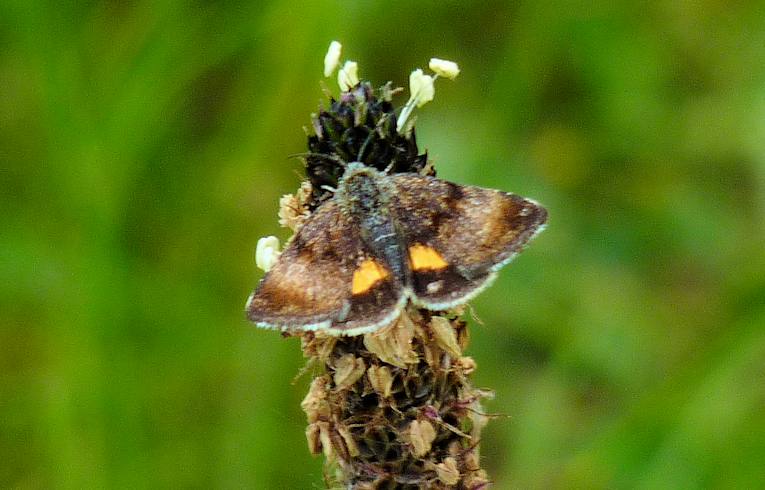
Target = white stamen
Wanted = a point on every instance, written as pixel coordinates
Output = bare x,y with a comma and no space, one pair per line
348,76
422,92
332,58
445,68
267,252
421,88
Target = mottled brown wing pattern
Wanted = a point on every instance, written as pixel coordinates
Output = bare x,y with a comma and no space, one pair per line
475,230
310,286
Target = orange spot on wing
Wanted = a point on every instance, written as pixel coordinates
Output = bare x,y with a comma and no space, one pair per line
424,257
367,275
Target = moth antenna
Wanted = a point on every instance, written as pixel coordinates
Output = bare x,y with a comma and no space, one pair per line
323,156
360,155
299,155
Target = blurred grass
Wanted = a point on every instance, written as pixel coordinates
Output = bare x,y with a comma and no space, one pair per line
144,146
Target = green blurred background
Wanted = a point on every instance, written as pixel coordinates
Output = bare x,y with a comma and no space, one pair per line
143,149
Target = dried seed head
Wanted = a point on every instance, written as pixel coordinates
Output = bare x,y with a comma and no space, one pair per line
318,345
444,334
421,435
448,472
477,481
313,436
326,440
394,345
465,364
350,444
315,403
381,379
433,354
348,370
293,209
399,425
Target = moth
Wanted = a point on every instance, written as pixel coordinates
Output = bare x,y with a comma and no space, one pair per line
383,240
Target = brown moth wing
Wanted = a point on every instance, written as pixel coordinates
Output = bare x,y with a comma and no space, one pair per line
310,286
474,230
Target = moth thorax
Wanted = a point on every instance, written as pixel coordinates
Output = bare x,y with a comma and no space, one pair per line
363,192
